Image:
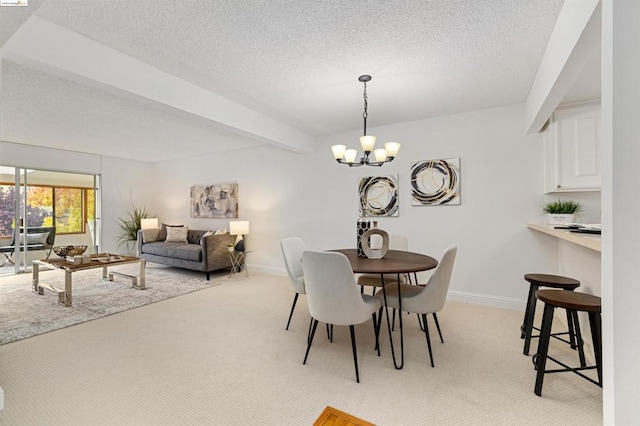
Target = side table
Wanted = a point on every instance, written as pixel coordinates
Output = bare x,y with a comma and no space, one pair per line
238,265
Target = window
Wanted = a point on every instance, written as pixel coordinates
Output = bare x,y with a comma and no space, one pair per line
66,208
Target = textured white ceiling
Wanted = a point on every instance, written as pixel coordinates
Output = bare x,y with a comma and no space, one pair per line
296,61
12,17
45,110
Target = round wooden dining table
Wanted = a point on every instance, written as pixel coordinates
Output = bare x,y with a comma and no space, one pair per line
394,262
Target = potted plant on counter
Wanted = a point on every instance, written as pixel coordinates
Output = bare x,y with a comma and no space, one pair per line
561,212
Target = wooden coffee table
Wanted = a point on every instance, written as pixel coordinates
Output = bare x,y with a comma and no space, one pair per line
100,260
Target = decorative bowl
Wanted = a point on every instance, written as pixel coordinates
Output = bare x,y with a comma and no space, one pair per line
64,251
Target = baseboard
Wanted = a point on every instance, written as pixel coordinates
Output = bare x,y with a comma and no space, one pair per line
266,270
486,300
457,296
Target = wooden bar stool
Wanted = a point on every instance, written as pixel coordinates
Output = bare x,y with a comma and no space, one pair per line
552,281
574,302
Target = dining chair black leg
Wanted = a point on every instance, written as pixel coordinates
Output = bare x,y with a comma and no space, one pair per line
355,354
379,328
309,332
330,332
293,307
426,333
313,332
420,322
376,331
373,291
435,319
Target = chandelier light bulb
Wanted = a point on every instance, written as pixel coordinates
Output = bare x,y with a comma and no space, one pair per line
350,155
380,154
367,142
338,151
392,149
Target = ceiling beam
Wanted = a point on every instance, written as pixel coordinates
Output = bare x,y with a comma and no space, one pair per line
47,47
573,42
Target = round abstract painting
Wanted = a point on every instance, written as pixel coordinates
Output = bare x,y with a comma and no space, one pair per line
379,195
435,182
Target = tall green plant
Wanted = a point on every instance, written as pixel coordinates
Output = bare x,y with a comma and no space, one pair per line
562,207
130,226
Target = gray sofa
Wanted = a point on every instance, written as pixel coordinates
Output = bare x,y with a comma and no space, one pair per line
200,253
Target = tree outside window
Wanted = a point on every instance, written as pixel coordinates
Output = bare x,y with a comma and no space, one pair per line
68,209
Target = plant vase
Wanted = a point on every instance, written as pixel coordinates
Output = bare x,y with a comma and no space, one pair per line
560,219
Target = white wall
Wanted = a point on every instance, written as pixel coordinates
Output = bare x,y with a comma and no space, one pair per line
285,194
124,183
621,209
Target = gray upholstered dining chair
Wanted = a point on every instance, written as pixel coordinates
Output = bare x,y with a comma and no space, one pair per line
396,242
292,249
424,299
334,297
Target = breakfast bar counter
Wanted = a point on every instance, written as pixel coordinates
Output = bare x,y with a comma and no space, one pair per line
590,241
578,257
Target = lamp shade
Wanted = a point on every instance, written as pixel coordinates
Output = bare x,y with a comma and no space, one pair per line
392,149
338,151
239,227
367,143
350,155
149,223
380,154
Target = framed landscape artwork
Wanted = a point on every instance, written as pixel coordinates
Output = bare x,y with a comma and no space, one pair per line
379,196
218,201
435,182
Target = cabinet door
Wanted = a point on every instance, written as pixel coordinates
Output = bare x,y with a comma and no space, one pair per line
575,149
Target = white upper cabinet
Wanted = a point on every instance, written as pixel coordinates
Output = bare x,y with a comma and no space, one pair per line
572,149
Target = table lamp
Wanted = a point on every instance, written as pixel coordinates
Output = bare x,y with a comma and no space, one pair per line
239,228
149,223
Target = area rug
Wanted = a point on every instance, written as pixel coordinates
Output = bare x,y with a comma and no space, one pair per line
24,313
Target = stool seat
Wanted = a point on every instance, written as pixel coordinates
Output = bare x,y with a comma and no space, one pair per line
571,300
557,282
552,281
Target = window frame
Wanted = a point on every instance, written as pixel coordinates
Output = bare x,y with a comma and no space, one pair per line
84,197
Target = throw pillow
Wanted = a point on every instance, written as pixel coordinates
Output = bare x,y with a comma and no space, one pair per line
177,234
206,234
162,235
32,239
150,235
220,231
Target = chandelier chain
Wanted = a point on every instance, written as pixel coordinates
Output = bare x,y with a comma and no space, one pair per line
366,107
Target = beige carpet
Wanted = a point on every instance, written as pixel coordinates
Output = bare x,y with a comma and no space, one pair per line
221,356
24,313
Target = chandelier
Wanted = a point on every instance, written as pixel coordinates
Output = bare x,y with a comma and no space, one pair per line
382,155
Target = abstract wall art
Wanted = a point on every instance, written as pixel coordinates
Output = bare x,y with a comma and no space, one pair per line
379,196
218,201
435,182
